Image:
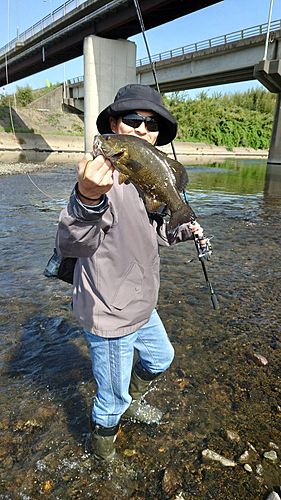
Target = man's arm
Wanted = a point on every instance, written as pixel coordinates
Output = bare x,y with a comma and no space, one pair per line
80,224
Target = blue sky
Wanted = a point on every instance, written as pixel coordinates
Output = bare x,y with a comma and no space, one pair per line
224,17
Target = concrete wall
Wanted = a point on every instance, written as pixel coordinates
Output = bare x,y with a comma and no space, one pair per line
108,65
51,101
275,144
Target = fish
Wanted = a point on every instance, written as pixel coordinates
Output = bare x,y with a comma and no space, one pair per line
159,177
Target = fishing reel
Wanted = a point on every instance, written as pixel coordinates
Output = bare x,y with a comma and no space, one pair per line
204,247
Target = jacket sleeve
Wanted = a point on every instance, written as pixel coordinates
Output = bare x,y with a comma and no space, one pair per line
80,228
166,237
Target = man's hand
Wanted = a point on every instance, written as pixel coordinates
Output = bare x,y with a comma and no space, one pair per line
95,178
196,229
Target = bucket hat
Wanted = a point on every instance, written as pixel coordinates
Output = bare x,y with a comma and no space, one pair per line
134,97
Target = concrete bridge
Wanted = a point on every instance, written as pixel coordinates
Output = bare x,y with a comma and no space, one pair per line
228,58
59,36
82,25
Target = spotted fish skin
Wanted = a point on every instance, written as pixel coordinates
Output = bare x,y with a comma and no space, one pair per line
158,176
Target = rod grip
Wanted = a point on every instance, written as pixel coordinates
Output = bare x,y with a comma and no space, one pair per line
215,302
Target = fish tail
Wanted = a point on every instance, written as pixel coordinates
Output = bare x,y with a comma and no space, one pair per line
184,214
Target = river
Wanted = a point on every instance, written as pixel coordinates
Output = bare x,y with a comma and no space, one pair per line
216,396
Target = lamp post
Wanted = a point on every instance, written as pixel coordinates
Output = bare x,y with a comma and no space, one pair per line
268,29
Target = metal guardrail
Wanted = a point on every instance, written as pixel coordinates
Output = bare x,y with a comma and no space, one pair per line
212,42
205,44
76,79
194,47
42,24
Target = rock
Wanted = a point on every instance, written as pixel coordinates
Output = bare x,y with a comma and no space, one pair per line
273,446
232,436
248,468
252,447
179,496
259,359
244,457
271,455
273,496
27,426
129,453
212,455
259,469
169,482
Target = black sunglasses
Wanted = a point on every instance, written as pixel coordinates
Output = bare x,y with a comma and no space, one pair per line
134,120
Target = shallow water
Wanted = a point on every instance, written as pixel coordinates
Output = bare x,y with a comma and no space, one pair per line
214,384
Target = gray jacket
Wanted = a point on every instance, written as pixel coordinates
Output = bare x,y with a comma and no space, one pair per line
116,276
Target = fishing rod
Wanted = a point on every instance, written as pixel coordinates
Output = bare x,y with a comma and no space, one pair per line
204,250
203,246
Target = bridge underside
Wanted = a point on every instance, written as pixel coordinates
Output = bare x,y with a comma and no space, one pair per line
241,75
67,43
230,63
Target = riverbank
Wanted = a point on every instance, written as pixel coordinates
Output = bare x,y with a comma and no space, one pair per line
28,152
220,433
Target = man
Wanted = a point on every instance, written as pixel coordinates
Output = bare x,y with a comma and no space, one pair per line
116,277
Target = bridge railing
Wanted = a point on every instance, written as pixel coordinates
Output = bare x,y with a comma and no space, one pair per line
212,42
205,44
76,79
42,24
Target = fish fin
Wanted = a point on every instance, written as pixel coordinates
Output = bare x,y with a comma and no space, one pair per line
151,203
179,172
135,165
184,214
123,178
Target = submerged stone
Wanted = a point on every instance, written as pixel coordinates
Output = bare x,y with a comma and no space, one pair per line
273,445
273,496
259,469
232,436
169,482
259,359
271,455
244,457
248,468
212,455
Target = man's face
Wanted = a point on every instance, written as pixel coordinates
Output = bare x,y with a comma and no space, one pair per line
118,127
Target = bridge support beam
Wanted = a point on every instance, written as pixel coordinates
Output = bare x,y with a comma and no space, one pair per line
274,155
108,65
269,74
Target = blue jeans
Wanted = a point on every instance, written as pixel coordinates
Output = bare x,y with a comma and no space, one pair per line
112,361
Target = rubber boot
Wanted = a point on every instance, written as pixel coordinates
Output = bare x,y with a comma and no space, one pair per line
138,410
103,440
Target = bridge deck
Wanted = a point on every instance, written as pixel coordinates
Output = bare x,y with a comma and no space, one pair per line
62,39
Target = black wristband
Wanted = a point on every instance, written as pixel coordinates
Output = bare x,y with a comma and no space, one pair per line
86,197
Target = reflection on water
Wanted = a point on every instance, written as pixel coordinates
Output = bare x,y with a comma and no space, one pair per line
214,385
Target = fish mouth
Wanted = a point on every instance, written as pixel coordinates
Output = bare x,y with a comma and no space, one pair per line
99,149
116,156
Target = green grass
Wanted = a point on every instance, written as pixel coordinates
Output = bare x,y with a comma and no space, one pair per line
17,130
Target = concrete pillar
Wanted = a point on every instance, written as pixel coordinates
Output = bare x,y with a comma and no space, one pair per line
272,187
108,65
274,155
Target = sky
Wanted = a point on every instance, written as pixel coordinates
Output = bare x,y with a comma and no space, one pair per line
224,17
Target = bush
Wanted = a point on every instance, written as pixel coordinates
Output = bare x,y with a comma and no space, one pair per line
24,95
239,119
